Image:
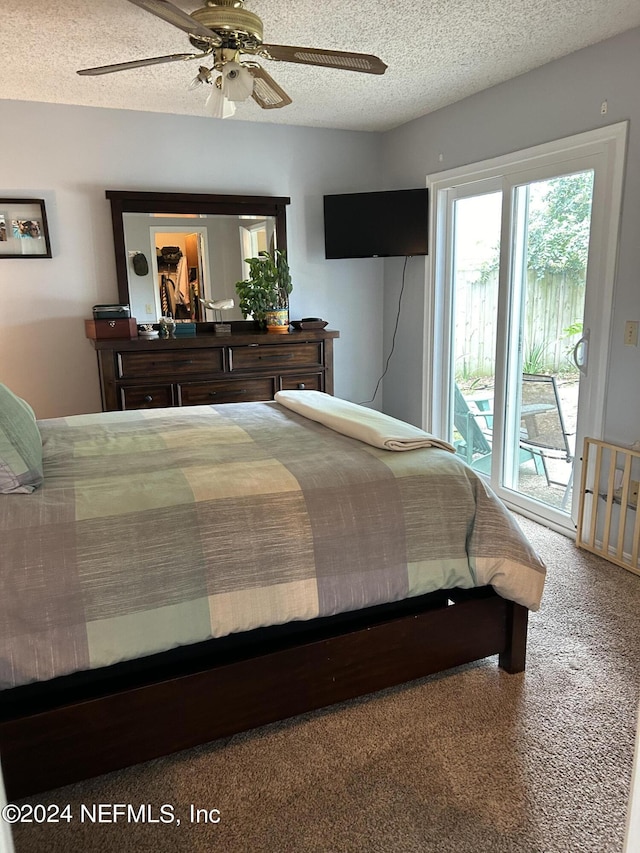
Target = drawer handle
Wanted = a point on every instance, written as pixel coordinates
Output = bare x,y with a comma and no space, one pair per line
301,386
148,399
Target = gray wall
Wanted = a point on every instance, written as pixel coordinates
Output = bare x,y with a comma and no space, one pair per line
70,155
557,100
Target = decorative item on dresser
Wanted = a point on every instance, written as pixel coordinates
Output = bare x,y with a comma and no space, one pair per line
111,321
242,367
265,294
123,329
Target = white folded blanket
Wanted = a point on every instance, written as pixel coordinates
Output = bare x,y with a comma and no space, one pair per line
359,422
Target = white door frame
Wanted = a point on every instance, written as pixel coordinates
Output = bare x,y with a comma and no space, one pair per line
603,149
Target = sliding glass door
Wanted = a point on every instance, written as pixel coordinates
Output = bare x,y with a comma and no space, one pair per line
517,296
551,227
475,227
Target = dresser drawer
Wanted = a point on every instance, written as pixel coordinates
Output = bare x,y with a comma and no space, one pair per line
146,397
275,357
241,367
299,382
225,391
175,363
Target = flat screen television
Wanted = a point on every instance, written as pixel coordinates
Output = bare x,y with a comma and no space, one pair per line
376,225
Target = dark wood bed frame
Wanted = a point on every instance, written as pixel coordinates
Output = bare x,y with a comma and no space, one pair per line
52,737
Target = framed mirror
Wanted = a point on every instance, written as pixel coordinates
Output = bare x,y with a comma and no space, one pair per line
175,249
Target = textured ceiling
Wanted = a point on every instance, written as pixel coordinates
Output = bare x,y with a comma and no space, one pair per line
437,52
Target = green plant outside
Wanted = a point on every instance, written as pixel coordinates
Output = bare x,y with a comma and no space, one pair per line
268,286
534,359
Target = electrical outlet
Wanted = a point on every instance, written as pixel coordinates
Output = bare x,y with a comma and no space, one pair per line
631,333
603,108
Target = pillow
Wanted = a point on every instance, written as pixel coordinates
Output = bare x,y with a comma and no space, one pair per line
20,445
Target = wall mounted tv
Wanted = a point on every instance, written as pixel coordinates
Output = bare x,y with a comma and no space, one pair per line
376,225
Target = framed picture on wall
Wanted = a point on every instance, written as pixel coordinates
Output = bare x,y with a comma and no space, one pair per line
24,232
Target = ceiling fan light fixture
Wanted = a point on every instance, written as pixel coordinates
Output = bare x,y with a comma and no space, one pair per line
237,82
203,76
216,104
224,31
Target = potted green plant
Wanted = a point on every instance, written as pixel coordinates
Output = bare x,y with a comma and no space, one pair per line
265,294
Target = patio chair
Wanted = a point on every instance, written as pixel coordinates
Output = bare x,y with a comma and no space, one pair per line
543,432
475,428
473,444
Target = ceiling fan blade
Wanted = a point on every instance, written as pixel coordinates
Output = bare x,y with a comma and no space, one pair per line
138,63
266,91
365,62
172,15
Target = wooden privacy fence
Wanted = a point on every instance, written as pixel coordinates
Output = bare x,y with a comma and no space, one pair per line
554,304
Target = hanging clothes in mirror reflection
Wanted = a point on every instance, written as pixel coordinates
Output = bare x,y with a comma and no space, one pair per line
179,281
173,301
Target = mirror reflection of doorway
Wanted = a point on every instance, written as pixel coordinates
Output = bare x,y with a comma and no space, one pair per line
180,274
190,264
253,240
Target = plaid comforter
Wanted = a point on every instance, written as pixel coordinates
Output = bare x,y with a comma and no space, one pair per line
159,528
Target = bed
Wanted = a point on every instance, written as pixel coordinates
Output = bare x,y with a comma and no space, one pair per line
173,576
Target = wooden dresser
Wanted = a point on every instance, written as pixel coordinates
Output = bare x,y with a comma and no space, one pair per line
245,366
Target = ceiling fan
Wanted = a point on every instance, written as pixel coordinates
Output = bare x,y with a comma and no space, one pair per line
231,37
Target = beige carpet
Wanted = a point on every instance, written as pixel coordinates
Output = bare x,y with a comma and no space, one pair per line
474,761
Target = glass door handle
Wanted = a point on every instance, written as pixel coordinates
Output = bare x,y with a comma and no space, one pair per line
581,353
